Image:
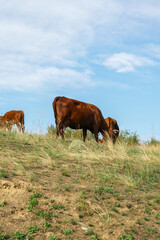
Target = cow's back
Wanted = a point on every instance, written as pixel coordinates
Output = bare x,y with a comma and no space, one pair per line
77,114
14,115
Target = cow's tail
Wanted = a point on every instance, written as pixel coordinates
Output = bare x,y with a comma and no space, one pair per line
55,109
22,121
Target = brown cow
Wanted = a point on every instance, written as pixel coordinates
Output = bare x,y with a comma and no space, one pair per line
113,130
78,115
13,117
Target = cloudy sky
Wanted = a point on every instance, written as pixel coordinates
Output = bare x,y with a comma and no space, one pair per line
105,52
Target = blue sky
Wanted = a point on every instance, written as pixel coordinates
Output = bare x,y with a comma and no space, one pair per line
105,52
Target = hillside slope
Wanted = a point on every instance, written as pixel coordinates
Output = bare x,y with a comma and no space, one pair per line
54,189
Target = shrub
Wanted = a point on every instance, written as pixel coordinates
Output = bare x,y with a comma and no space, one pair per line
128,137
153,141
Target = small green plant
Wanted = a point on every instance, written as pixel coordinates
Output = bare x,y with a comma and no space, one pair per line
3,175
53,237
73,221
33,201
67,188
94,237
146,218
147,210
45,214
19,236
89,232
92,234
58,207
3,203
4,236
126,237
117,204
46,225
67,232
33,229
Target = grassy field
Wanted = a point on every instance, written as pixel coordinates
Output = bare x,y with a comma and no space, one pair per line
54,189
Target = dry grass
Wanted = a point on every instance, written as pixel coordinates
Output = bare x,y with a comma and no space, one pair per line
111,191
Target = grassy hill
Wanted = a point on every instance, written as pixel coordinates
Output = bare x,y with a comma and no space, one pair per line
54,189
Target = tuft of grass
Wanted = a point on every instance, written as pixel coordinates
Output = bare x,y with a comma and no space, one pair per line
67,232
19,236
33,229
3,175
115,185
33,201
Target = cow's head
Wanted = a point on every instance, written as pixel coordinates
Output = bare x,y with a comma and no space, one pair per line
114,134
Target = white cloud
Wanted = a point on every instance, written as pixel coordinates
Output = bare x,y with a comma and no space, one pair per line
152,50
125,62
18,74
45,38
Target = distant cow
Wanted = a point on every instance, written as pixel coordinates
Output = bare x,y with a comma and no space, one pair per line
113,129
13,117
78,115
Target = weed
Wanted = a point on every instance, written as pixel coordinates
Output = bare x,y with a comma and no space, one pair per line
3,203
33,229
46,225
147,210
129,205
53,237
67,188
146,218
4,236
58,207
3,175
73,221
114,209
46,215
19,236
33,201
67,232
90,232
65,221
153,230
126,237
117,205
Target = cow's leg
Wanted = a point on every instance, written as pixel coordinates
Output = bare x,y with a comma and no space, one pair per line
57,130
96,134
61,130
84,134
23,128
18,126
61,133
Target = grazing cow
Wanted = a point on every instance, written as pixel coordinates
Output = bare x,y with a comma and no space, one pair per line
13,117
78,115
113,130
